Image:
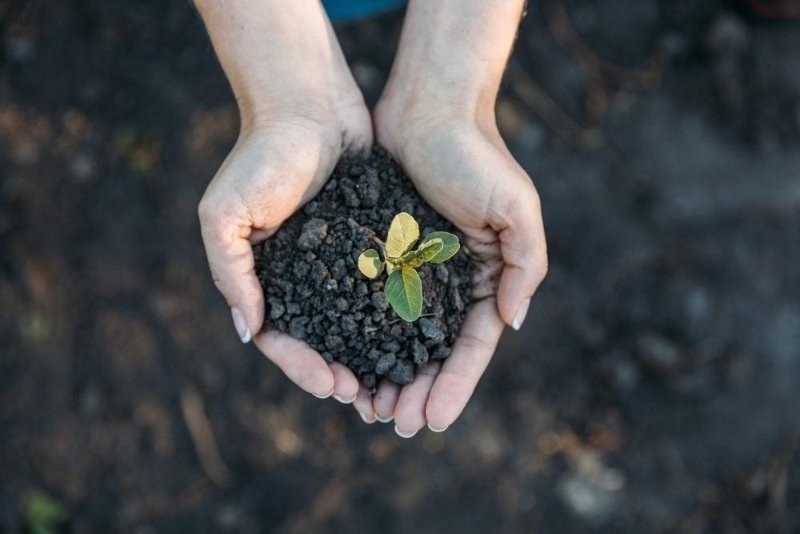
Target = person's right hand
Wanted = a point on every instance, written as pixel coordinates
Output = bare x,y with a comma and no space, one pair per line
461,166
436,116
300,110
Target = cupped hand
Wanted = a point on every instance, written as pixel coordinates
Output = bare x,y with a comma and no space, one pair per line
461,166
300,109
276,166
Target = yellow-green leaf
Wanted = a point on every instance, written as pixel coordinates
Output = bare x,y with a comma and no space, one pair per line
404,292
403,232
413,262
369,263
450,246
429,248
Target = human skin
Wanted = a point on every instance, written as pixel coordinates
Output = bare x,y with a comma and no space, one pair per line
300,109
436,116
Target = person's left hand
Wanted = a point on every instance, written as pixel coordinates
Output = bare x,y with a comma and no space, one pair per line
300,111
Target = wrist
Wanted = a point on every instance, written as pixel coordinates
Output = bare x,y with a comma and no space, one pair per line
407,112
262,109
449,64
433,81
281,59
417,96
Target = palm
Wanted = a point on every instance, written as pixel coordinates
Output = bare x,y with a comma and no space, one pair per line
470,178
275,169
271,172
307,157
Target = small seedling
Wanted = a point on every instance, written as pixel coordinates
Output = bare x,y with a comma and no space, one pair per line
403,287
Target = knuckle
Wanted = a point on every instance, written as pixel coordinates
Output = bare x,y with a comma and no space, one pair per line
429,371
219,284
525,193
525,210
216,222
206,212
470,342
540,269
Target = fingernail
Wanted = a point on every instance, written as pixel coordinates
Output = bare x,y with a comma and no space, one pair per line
240,323
324,396
522,311
434,429
402,435
383,419
343,400
364,418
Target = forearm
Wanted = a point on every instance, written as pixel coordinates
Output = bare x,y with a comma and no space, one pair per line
454,52
277,55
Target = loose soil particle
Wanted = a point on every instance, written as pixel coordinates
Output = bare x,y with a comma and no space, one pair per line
315,292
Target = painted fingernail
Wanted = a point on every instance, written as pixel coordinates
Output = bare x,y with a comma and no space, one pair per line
364,418
434,429
404,435
323,396
522,311
383,419
343,400
240,323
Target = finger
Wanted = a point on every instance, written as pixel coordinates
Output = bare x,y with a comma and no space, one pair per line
259,235
226,233
363,405
409,413
302,364
345,385
385,400
524,250
461,371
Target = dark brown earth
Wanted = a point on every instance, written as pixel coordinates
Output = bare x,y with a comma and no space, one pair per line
315,292
653,387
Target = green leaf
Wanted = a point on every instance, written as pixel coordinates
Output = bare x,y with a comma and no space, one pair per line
369,263
413,262
43,514
403,232
449,248
429,248
404,292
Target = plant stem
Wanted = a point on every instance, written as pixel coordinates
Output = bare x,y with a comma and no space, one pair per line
382,246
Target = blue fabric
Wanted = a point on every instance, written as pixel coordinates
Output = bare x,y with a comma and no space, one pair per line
351,9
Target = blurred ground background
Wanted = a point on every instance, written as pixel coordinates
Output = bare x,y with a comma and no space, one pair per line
652,389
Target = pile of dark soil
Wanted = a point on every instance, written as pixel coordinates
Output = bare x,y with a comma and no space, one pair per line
315,292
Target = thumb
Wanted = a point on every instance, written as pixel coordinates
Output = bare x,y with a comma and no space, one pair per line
524,251
226,231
